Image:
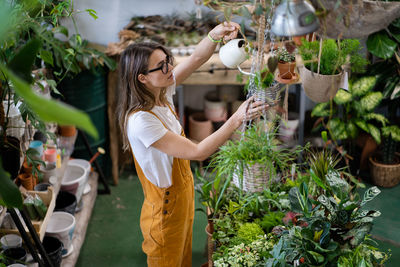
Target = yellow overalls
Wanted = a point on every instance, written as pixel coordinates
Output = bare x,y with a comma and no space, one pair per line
166,218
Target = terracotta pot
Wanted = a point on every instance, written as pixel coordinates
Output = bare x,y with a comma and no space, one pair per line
199,126
215,109
286,69
67,130
297,39
27,181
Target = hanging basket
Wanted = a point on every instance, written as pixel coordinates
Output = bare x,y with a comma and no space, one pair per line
271,95
320,88
255,178
384,175
355,19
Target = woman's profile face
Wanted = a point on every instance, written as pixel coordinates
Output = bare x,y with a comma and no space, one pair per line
157,66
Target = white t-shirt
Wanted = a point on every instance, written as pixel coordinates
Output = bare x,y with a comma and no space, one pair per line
143,130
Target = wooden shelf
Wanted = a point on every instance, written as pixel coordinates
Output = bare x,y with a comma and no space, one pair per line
82,220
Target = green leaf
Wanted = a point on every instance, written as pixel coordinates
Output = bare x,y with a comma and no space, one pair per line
371,101
227,13
10,196
61,29
342,97
338,185
318,258
21,63
50,110
352,129
395,32
321,110
317,180
338,129
374,132
361,124
380,45
363,85
378,117
47,57
324,135
92,13
393,131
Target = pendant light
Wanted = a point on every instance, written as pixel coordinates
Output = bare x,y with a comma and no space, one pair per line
294,18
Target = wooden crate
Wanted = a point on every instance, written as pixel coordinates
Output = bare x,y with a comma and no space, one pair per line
40,226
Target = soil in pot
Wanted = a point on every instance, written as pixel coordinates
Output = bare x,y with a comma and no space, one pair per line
15,255
53,246
66,201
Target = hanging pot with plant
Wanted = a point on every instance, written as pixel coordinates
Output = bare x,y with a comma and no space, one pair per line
286,65
322,74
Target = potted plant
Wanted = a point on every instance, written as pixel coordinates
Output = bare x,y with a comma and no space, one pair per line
286,64
253,161
358,116
322,73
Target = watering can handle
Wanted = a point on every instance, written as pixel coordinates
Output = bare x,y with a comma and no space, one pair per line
244,72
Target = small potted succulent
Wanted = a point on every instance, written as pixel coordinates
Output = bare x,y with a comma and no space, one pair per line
286,63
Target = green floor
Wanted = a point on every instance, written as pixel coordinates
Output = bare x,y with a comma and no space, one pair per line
113,237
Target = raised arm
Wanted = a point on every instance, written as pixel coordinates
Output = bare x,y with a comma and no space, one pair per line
181,147
205,49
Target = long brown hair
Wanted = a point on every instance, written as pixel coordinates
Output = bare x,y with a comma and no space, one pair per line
133,95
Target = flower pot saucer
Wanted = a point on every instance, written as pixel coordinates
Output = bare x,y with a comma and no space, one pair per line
295,78
70,250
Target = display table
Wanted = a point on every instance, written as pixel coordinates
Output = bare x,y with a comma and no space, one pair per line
82,220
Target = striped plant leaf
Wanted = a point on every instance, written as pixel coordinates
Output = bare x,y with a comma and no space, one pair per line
321,110
370,101
374,132
370,194
361,124
342,97
338,129
363,85
378,117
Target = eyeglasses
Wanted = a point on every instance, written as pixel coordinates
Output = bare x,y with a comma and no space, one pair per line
164,66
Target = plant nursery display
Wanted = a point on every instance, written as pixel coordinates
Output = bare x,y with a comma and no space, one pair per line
28,43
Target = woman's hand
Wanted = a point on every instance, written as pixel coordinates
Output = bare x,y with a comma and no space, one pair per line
225,30
249,110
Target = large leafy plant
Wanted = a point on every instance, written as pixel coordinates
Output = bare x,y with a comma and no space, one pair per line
358,105
22,41
334,55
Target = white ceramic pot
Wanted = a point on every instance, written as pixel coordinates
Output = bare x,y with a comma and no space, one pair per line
288,128
87,166
62,225
48,171
74,180
10,241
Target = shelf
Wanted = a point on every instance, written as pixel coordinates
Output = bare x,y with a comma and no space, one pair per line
82,220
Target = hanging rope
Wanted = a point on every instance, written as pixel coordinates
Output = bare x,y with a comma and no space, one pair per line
319,54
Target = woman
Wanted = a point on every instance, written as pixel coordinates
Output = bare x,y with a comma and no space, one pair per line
161,152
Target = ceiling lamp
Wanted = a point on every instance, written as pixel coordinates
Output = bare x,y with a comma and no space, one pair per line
294,18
